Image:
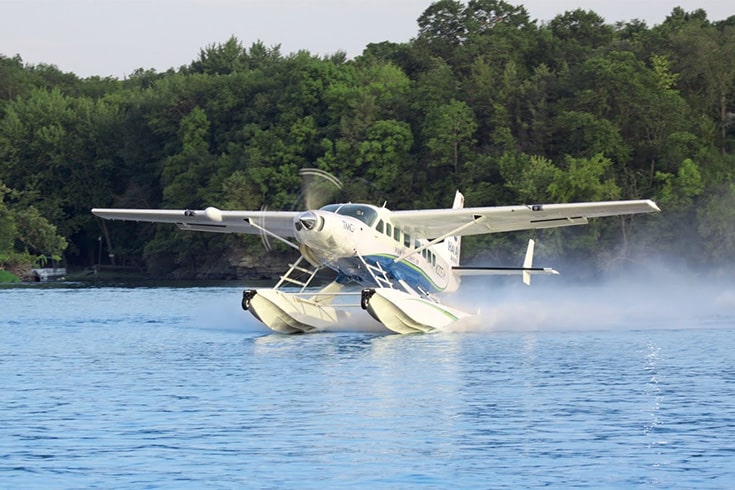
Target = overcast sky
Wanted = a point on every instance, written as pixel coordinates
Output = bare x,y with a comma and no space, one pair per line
115,37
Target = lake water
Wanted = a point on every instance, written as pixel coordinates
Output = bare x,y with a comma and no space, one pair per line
117,387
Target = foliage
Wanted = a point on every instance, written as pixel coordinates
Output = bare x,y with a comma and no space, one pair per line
26,237
484,99
6,276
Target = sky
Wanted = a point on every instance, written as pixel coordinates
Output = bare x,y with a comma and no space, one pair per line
116,37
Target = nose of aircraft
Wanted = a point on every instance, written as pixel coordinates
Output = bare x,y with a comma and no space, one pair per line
306,221
325,234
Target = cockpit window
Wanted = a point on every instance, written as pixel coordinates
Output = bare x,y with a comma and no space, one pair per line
366,214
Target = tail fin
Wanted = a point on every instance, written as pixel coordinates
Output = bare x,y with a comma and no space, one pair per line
528,263
454,243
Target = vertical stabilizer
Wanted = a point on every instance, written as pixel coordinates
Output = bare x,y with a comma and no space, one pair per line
528,263
454,243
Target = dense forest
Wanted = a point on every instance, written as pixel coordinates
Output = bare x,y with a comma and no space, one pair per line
484,99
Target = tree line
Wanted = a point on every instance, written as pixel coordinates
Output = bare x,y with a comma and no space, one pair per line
483,99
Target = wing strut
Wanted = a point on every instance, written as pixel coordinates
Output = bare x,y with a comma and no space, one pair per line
476,220
270,233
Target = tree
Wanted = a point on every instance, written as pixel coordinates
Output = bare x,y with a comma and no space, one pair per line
499,32
59,153
582,134
221,59
449,133
442,28
186,174
26,237
384,157
8,229
36,236
717,225
679,190
573,109
639,101
15,80
577,34
585,180
707,72
529,177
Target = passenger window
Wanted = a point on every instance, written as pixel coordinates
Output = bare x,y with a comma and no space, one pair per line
397,234
388,229
407,240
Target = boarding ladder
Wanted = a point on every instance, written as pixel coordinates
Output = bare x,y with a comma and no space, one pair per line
379,275
295,274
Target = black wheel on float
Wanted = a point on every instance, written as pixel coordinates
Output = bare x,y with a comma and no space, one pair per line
247,296
365,298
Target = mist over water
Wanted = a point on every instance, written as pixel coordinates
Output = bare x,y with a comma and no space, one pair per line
222,311
658,299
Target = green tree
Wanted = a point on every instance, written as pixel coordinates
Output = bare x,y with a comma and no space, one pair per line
679,190
221,59
529,177
60,153
8,229
442,28
15,80
185,175
498,31
707,72
26,237
582,134
577,34
585,180
716,226
35,235
385,154
449,134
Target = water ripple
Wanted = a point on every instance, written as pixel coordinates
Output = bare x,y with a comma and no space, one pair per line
165,392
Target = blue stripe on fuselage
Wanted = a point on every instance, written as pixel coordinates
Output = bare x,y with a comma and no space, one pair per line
353,269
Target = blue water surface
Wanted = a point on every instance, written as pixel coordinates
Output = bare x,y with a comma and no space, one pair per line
179,388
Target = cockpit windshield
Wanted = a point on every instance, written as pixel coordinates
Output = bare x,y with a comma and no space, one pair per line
366,214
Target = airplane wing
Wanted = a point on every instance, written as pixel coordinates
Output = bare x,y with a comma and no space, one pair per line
210,219
432,223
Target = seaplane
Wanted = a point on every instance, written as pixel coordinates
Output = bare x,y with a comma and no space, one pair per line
391,265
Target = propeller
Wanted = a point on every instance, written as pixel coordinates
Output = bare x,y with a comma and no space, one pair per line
263,236
318,187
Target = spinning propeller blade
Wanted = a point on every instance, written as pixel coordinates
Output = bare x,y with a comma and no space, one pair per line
318,187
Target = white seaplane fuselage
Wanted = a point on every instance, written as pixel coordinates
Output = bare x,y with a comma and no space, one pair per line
396,273
345,237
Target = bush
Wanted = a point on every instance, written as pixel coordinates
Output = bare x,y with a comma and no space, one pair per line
6,276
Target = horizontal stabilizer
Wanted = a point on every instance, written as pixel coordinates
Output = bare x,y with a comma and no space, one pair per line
526,271
501,271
